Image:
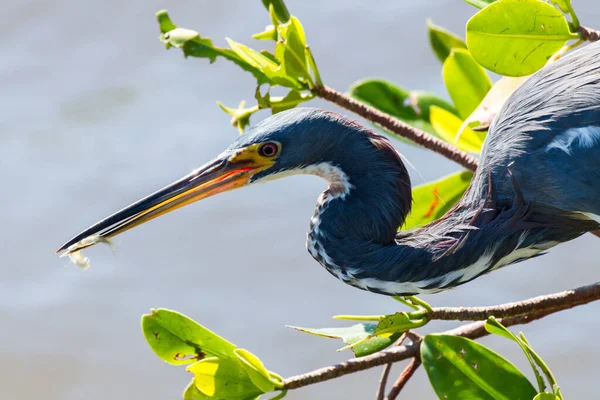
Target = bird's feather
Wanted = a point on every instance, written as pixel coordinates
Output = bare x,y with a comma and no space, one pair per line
548,135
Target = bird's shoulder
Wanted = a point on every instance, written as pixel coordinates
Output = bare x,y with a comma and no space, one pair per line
546,138
557,107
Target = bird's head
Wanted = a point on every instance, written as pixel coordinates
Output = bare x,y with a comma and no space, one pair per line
302,140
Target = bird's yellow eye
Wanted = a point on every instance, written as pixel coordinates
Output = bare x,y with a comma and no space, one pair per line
269,149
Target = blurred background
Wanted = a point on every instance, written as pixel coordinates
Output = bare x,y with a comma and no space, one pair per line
96,114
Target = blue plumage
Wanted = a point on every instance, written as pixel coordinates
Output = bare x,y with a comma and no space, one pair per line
538,196
538,185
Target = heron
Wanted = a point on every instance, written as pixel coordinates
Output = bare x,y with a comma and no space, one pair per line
537,185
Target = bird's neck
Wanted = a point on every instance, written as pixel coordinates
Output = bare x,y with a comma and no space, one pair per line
349,237
367,201
368,198
354,230
428,260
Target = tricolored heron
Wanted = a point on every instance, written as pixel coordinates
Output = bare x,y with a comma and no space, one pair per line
538,184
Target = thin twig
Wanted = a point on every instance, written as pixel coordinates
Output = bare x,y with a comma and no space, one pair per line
414,336
383,381
538,307
410,369
398,127
386,371
403,378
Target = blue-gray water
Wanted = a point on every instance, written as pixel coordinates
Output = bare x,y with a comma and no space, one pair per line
95,114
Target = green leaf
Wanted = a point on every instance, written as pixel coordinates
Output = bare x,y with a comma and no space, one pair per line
448,126
564,5
179,340
253,57
434,199
460,368
290,50
192,44
517,37
353,334
191,392
388,325
494,327
278,103
240,116
256,370
270,33
280,9
466,81
264,64
270,56
223,378
443,41
480,3
546,396
410,107
399,322
493,101
291,100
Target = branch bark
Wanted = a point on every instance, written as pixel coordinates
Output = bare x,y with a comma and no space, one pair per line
550,302
589,34
408,372
386,371
517,313
398,127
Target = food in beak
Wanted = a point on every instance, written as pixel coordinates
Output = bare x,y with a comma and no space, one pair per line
75,250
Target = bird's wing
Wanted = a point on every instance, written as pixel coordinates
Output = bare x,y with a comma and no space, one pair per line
547,136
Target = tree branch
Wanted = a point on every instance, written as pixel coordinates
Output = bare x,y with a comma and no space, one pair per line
404,377
398,127
409,132
518,313
383,381
550,302
408,372
386,372
589,34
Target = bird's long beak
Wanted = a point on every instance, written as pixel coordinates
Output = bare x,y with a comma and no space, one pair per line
228,171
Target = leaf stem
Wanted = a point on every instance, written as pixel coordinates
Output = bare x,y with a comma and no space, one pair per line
419,302
407,303
574,19
494,323
313,67
566,48
277,380
280,395
374,318
540,363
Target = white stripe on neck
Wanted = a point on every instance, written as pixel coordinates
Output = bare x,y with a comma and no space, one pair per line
339,184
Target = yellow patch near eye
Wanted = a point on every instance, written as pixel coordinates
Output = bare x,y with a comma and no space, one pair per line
252,155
